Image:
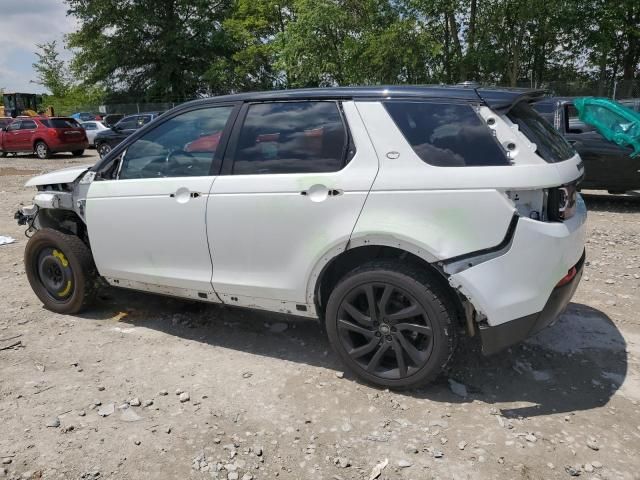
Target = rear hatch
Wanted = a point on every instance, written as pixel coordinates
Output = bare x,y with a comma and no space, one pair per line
68,130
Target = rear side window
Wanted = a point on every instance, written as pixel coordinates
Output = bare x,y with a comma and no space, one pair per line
60,123
291,137
551,145
28,125
447,135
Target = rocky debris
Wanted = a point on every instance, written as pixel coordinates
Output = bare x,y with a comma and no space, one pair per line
81,413
67,428
439,423
148,403
135,402
247,374
137,442
101,388
410,449
163,393
530,437
593,444
458,388
6,460
106,410
128,415
342,462
339,374
573,471
462,444
404,463
179,391
53,422
90,475
596,464
376,471
184,397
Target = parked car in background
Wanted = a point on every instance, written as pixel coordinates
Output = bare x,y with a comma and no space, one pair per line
632,103
399,217
607,166
4,121
107,139
45,136
84,116
111,119
93,128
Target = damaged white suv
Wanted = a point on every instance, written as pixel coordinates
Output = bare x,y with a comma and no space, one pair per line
401,217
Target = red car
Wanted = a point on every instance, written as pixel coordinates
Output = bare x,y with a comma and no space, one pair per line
44,136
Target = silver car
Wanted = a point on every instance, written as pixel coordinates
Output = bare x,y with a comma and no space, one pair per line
92,128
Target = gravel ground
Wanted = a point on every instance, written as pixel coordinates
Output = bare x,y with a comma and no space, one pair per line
149,387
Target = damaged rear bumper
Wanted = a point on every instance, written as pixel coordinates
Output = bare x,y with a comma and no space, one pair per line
495,339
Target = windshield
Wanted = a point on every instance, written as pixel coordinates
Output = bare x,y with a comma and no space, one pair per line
551,146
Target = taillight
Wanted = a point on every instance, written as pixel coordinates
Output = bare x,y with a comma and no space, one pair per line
568,277
562,202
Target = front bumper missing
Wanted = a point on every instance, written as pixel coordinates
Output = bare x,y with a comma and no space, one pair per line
495,339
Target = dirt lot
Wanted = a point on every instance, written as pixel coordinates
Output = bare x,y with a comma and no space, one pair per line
268,399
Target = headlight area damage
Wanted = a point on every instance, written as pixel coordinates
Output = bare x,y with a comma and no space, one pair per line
59,202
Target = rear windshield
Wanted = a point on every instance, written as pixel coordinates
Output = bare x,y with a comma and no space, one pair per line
551,146
60,123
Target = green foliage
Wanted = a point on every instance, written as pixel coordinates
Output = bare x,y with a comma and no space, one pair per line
67,93
176,49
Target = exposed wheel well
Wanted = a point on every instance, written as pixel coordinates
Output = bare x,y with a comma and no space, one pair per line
350,259
35,142
65,221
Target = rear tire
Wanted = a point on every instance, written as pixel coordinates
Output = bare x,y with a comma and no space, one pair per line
42,150
410,337
60,270
77,153
103,149
3,154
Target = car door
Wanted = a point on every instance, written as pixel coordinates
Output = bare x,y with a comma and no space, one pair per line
11,137
146,221
294,180
24,135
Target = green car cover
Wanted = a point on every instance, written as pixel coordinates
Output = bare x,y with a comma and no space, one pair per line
613,121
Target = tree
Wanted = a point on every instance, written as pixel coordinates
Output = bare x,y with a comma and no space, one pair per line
151,48
67,95
51,71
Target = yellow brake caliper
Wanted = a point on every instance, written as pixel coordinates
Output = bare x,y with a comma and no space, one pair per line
65,263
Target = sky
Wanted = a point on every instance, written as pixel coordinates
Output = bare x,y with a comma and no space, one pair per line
23,24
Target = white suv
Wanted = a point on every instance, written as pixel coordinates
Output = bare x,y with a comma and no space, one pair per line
401,217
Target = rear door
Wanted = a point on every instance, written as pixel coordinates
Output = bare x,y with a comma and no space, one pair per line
24,135
295,180
146,222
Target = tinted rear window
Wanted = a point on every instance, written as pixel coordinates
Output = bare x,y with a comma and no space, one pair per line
551,146
447,135
60,123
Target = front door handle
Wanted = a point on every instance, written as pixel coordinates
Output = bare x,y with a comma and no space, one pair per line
183,195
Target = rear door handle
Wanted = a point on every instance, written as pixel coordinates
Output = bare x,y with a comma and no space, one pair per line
332,193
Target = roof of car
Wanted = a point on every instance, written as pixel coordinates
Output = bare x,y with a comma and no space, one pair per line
495,97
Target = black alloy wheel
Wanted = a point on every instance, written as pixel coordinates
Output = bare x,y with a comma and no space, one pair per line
391,324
